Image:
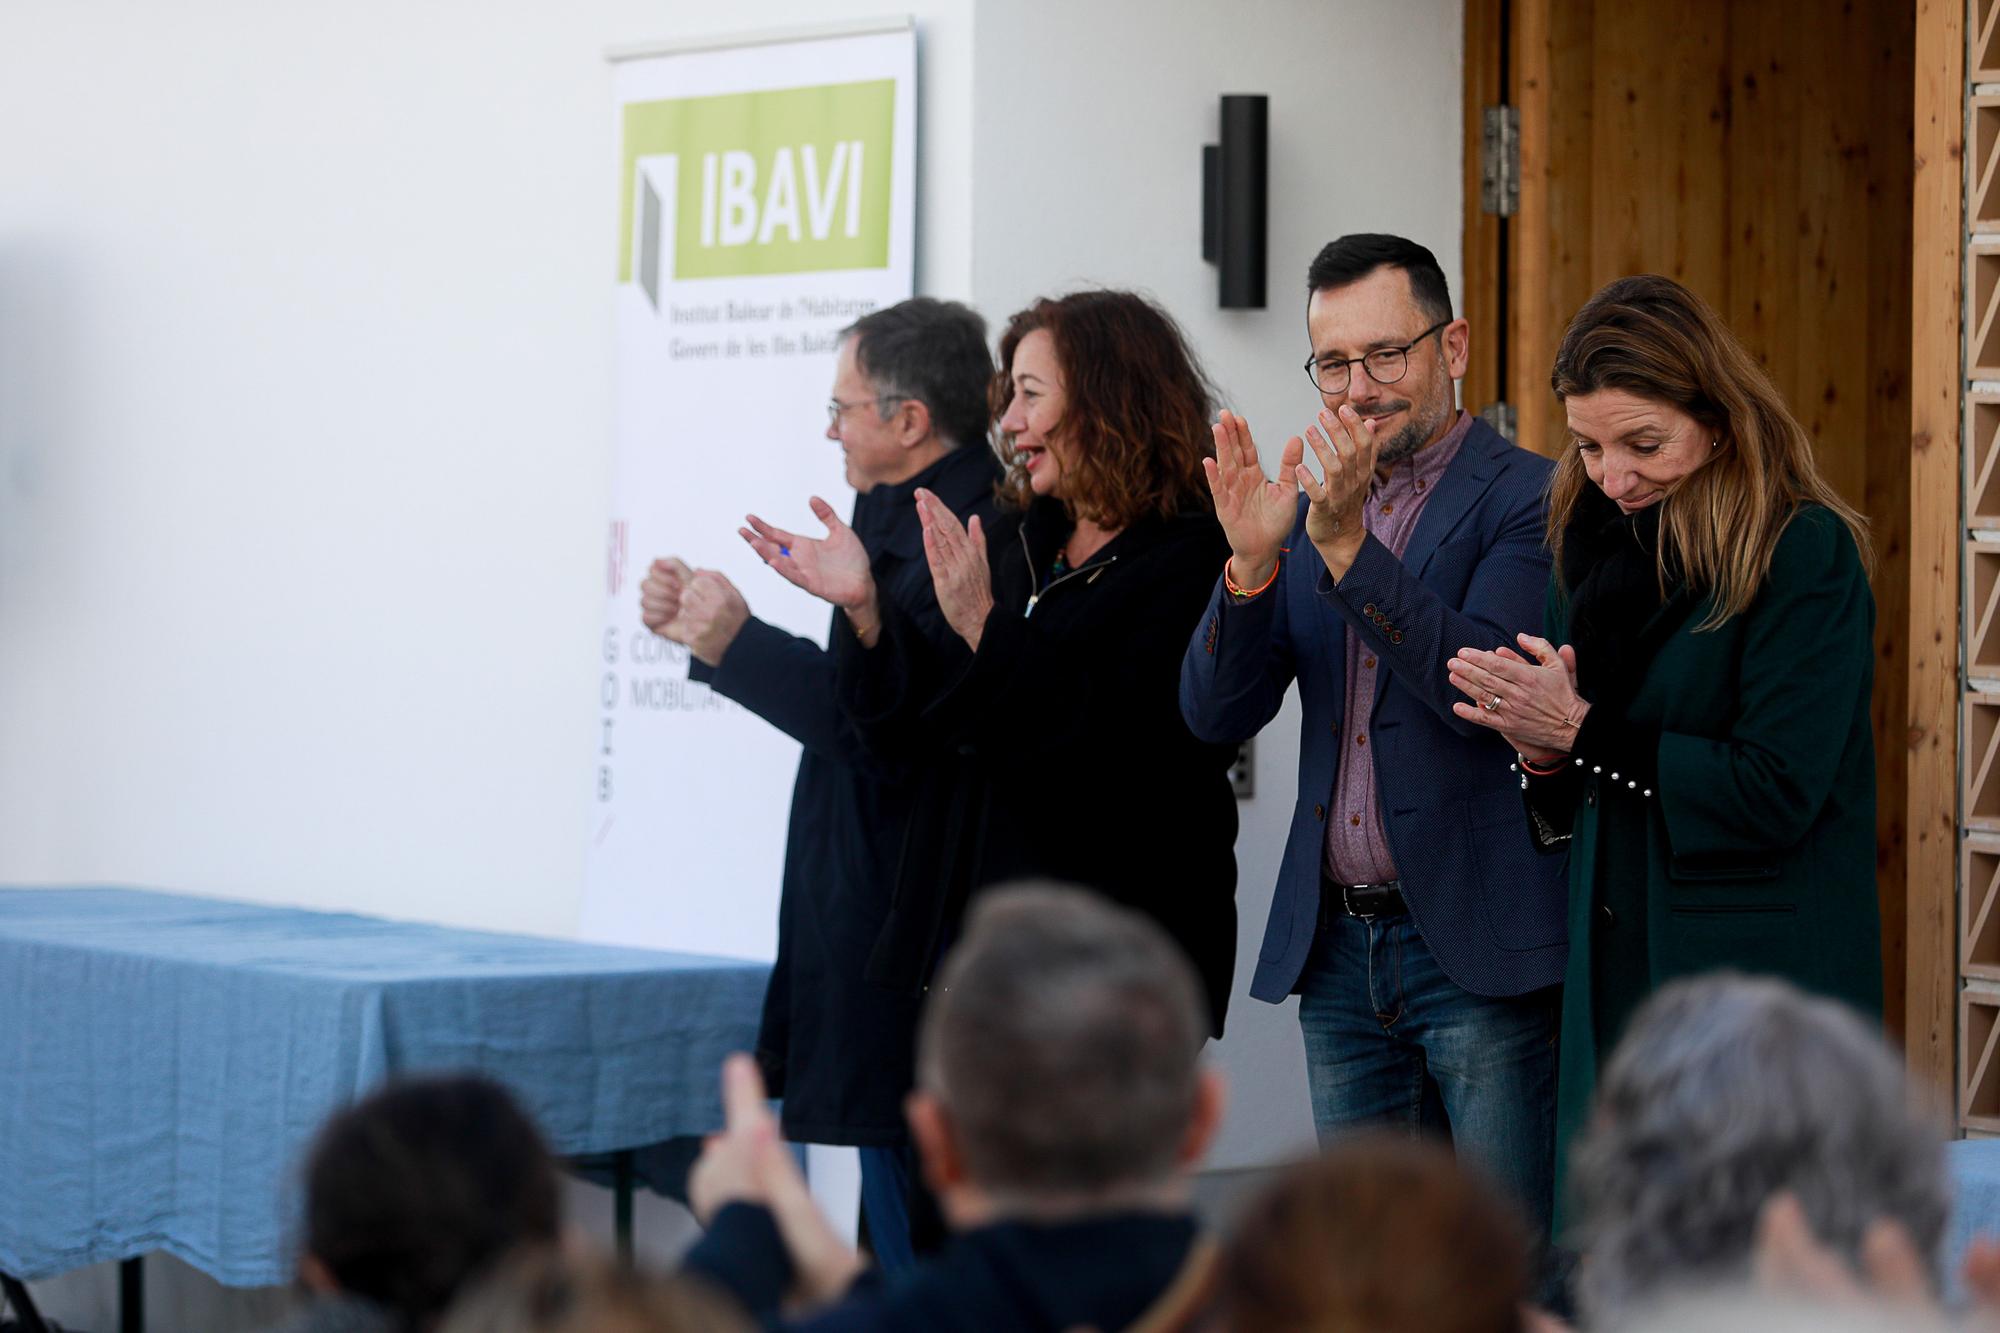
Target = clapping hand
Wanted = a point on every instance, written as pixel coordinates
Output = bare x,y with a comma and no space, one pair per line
697,608
1256,515
959,571
749,1163
1534,705
660,593
1344,442
833,568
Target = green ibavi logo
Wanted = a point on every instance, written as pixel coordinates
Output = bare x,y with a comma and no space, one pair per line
790,181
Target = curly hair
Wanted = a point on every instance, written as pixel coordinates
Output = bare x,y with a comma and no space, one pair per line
1725,1091
1135,423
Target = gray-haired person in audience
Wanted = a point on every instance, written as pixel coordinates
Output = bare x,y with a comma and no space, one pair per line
1740,1119
1061,1105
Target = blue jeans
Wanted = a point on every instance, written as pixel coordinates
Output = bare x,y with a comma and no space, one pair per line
885,1204
1390,1039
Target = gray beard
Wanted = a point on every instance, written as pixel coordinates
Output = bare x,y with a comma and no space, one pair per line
1416,432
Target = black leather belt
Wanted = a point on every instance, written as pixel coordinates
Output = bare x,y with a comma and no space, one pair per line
1361,900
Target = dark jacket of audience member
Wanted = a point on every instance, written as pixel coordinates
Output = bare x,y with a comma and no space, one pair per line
1060,1106
412,1192
1726,1092
1059,745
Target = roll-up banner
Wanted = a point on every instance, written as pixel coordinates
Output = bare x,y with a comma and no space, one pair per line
765,201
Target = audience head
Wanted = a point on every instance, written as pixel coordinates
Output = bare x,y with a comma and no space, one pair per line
546,1291
1381,1233
1058,1065
1383,338
1102,406
421,1186
1725,1092
909,385
1666,408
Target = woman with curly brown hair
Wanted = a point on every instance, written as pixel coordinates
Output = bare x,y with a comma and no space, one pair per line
1054,737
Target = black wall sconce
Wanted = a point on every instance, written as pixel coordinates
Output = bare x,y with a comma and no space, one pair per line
1234,207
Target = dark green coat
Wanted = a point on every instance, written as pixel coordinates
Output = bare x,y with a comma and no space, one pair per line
1755,848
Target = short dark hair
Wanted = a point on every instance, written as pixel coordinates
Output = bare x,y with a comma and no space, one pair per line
1354,257
1063,1039
933,352
423,1185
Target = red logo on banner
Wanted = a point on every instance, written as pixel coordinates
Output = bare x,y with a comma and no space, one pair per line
614,573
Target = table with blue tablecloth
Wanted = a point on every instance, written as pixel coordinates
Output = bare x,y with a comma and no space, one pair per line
165,1060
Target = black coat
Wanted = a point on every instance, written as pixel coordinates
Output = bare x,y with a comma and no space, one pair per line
1105,1272
1058,749
835,1048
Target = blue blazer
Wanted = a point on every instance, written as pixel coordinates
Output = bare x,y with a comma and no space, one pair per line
1489,904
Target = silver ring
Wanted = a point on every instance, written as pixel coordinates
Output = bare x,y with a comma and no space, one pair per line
1492,705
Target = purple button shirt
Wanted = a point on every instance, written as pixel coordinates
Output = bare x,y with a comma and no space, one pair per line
1357,850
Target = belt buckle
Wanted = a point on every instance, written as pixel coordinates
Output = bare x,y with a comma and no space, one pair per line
1347,903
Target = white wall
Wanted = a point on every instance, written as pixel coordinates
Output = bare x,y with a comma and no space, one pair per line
304,436
1087,169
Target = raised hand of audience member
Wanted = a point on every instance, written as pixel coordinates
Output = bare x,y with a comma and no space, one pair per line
833,568
959,571
1790,1260
1256,515
1344,443
748,1162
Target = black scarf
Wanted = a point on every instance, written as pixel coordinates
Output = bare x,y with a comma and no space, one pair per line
1611,576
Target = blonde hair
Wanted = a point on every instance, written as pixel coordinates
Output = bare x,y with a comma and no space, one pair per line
1720,525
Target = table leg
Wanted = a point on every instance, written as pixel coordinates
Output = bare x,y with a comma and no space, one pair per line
15,1297
132,1296
621,1175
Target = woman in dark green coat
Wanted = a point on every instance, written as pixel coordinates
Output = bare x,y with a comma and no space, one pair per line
1700,740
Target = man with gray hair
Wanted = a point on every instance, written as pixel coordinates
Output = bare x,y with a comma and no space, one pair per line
908,409
1732,1104
1061,1105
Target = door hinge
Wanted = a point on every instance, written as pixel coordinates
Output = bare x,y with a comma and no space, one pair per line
1500,161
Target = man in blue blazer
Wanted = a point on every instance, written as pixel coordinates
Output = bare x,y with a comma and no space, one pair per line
1420,927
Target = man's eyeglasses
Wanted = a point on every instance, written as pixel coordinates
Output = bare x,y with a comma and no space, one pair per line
1385,365
835,409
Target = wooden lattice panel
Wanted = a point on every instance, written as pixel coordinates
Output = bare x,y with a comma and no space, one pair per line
1982,56
1980,754
1979,911
1982,329
1982,609
1982,460
1979,1059
1982,166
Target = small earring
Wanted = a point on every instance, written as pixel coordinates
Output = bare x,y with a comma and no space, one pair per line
1715,444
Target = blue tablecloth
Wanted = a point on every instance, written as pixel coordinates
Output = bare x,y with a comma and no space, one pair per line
164,1060
1975,1211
